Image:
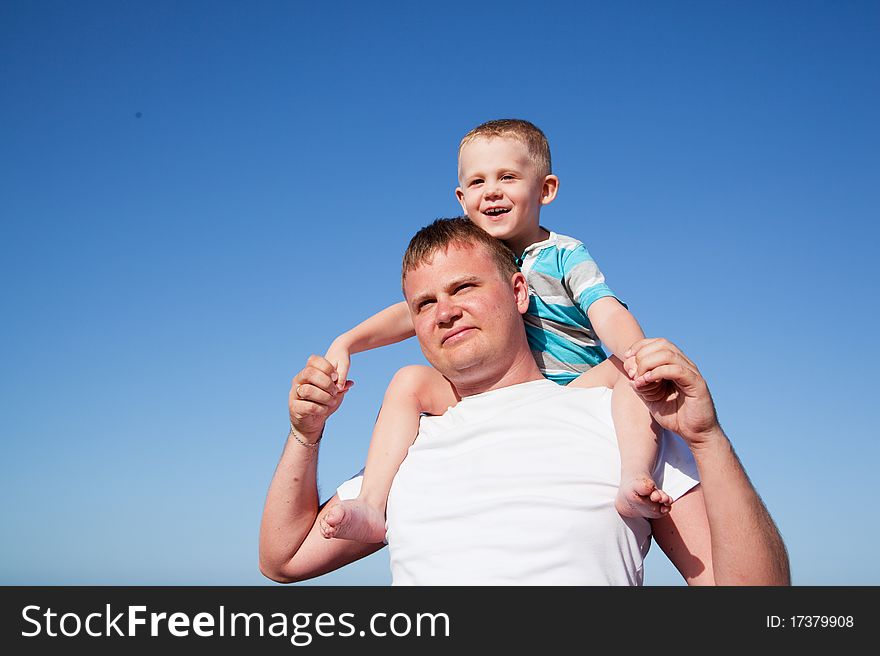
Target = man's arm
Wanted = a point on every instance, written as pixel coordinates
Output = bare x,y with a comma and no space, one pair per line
721,532
291,546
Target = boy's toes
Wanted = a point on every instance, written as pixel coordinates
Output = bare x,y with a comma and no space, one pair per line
641,498
330,520
660,497
326,530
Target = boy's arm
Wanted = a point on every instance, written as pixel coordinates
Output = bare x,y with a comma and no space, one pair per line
391,325
618,329
614,325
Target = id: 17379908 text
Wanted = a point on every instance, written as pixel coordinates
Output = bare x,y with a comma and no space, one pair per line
810,622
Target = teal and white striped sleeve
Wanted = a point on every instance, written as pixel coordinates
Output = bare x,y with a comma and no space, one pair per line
582,278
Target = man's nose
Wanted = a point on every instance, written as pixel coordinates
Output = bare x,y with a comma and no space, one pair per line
447,310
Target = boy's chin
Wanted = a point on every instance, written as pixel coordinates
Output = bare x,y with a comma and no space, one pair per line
497,230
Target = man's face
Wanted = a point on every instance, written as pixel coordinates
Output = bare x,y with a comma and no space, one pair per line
502,191
467,316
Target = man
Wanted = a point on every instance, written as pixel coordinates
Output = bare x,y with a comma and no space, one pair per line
516,483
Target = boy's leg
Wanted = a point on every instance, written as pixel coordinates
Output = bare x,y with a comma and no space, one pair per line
637,438
412,391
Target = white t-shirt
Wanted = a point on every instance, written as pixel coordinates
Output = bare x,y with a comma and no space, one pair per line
516,487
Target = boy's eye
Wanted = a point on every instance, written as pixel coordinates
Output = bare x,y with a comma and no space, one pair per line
476,181
507,177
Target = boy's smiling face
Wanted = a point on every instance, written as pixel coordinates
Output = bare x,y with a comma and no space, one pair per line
502,190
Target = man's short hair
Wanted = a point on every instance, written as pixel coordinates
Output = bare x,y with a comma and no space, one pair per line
462,232
528,133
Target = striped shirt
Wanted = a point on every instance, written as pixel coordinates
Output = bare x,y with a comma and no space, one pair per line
563,282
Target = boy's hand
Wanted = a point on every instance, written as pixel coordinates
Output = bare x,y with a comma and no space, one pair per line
314,397
647,390
339,356
682,403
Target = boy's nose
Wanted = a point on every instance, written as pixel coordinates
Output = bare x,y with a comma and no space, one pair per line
492,191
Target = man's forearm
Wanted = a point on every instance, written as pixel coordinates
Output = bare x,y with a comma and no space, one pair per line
291,508
746,546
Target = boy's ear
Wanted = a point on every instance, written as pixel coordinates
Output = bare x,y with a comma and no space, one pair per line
548,191
459,194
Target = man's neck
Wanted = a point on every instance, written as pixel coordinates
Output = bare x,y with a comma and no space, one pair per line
522,370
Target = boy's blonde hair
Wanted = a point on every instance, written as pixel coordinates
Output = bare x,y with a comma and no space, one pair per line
461,231
527,133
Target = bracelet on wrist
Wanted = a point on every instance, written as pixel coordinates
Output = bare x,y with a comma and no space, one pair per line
299,437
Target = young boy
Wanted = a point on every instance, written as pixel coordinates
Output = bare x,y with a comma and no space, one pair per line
505,179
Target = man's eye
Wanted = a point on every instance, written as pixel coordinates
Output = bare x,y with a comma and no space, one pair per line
463,287
421,306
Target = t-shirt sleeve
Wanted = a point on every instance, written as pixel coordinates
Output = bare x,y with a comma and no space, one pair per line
582,278
351,488
676,469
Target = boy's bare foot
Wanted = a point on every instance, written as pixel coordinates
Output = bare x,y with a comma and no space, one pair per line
640,497
353,519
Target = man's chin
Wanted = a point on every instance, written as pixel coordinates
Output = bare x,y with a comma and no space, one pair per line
464,365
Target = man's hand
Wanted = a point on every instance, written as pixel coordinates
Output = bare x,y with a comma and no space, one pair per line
314,396
682,404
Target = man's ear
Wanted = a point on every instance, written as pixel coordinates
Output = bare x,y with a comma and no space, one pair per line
520,291
459,195
548,191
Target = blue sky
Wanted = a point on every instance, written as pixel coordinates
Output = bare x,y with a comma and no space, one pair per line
196,196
